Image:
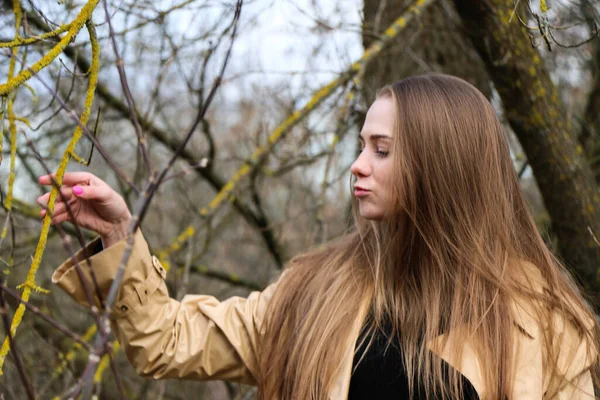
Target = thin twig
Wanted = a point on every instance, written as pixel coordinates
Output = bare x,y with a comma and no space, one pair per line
139,212
11,340
88,292
87,132
185,279
125,85
43,316
66,239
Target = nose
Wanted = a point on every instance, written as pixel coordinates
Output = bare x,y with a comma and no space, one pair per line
360,167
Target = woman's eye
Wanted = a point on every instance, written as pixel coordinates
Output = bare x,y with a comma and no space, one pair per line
382,153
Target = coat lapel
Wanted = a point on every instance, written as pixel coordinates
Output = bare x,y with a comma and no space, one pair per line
528,383
466,363
342,384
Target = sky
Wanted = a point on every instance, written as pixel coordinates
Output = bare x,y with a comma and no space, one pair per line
278,43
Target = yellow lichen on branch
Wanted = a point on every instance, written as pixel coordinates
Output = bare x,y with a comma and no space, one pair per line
65,358
105,362
372,51
19,41
13,155
79,159
12,126
29,285
18,16
84,15
23,120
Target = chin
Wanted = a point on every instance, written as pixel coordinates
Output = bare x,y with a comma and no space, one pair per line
371,215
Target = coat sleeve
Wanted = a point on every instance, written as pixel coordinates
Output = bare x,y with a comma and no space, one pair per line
198,337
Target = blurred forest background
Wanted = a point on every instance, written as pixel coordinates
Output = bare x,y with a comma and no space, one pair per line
265,174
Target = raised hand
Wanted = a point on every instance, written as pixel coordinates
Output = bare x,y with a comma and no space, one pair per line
94,205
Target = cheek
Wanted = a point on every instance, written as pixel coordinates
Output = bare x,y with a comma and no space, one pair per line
386,174
387,185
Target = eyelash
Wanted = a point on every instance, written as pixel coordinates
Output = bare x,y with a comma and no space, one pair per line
380,153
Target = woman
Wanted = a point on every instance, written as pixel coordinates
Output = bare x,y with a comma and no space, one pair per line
444,289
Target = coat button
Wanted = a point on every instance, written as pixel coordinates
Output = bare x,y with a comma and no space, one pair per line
124,308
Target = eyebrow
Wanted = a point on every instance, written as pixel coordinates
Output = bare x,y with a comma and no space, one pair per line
375,136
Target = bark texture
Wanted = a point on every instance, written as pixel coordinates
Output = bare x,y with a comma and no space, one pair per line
537,116
435,42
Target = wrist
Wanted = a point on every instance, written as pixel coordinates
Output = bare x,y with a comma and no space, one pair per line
116,234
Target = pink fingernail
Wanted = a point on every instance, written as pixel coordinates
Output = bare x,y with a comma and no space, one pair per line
77,189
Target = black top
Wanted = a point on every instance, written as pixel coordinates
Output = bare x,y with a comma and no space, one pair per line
381,374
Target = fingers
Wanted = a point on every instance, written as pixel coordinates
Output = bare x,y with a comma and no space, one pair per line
85,185
61,212
96,193
67,195
69,179
59,208
58,218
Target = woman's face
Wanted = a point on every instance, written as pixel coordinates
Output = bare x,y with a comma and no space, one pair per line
373,167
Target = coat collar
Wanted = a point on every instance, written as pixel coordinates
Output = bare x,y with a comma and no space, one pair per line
530,382
468,364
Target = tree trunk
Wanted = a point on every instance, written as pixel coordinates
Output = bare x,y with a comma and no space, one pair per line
536,115
434,43
589,133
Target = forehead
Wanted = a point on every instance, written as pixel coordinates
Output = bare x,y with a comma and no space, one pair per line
380,117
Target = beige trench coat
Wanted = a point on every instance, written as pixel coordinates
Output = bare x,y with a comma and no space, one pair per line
203,338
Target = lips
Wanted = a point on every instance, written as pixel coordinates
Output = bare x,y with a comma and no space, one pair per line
360,191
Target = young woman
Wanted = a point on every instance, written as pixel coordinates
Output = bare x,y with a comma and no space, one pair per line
444,289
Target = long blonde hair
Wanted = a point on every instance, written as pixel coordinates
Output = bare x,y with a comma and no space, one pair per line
449,256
